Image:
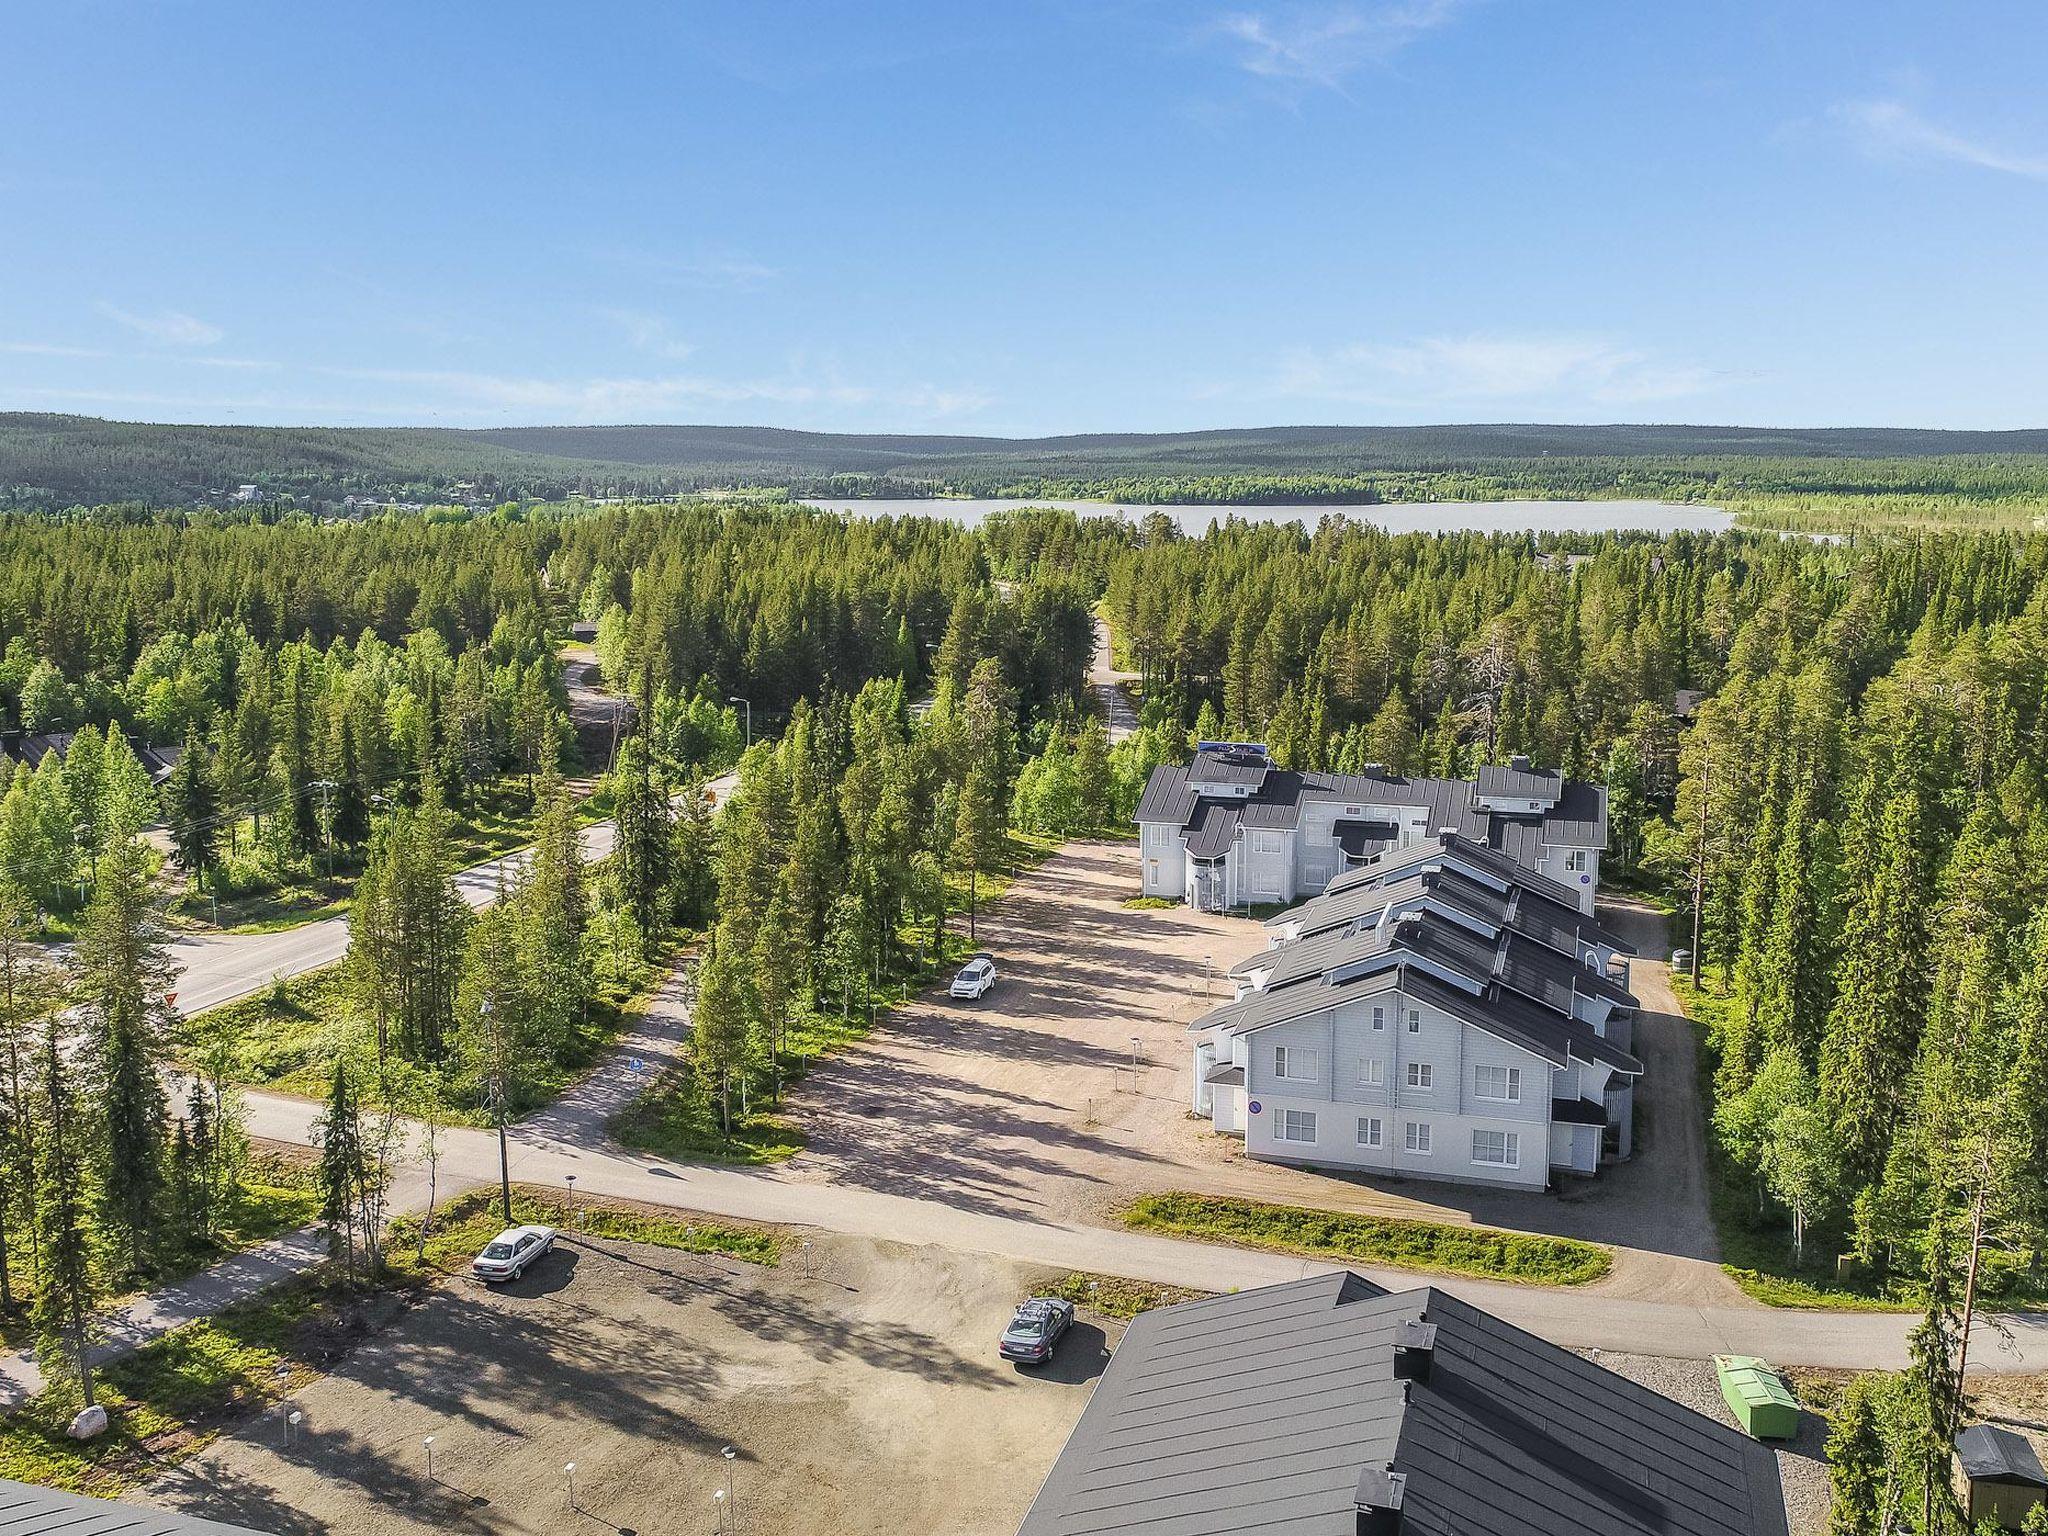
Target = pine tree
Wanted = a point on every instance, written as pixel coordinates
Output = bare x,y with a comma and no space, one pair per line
644,853
718,1023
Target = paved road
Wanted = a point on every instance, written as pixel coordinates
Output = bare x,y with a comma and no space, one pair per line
568,1140
1112,687
219,968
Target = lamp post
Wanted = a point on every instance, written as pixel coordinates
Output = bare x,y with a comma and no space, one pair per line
427,1445
571,1178
747,705
570,1472
731,1503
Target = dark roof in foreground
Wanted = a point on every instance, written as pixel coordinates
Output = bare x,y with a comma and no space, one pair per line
1999,1455
30,1511
1262,1411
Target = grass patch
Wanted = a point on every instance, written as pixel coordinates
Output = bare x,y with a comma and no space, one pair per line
1115,1297
1381,1240
276,1196
473,1218
1148,903
678,1117
285,1038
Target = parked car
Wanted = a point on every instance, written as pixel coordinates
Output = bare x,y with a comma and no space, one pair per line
1036,1329
511,1253
975,978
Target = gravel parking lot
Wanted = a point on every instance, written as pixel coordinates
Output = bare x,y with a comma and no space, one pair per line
1066,1090
867,1398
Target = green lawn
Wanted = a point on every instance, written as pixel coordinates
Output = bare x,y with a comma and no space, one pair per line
173,1396
1378,1240
678,1118
286,1038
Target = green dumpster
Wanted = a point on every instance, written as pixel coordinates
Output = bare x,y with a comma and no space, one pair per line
1758,1397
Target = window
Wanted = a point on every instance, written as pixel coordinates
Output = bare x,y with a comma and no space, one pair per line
1297,1125
1503,1083
1578,861
1379,1018
1372,1073
1416,1137
1295,1064
1151,871
1368,1131
1421,1075
1414,1021
1499,1149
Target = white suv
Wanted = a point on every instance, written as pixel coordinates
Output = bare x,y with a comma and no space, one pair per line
975,978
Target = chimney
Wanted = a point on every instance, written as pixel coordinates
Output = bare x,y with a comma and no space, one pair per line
1446,836
1519,762
1378,1500
1414,1349
1375,770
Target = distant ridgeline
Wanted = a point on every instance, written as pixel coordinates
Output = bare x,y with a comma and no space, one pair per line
54,461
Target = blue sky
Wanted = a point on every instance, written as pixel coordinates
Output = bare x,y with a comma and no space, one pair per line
1027,217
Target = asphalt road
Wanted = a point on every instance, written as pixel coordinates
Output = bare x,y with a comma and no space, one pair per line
218,968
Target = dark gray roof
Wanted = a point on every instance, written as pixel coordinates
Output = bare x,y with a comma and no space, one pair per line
30,1511
1264,1409
1989,1453
1227,1074
1363,839
1579,819
1474,853
1519,783
1578,1112
1212,829
1229,767
1520,991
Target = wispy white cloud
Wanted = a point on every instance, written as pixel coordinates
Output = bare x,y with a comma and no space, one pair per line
625,398
1321,44
647,332
169,326
48,349
1555,372
1895,129
690,268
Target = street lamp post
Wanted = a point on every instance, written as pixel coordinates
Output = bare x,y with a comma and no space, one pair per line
747,705
572,1199
498,1096
731,1503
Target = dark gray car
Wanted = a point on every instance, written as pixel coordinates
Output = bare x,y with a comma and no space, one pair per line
1036,1329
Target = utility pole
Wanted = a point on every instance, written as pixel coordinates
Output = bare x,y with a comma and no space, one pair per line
1699,865
498,1097
327,788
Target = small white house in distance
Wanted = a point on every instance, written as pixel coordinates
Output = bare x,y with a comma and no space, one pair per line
1230,829
1445,1014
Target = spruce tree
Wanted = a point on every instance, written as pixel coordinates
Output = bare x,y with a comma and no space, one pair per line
194,811
124,977
339,1135
67,1288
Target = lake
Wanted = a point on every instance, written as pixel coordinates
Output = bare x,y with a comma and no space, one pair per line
1396,517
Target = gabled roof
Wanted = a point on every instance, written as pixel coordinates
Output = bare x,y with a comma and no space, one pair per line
1511,988
1519,782
2000,1456
1275,1409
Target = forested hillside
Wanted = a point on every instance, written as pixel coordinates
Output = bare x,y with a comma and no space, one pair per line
50,462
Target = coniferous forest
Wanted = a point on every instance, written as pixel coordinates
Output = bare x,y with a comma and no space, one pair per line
1859,799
